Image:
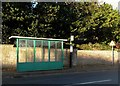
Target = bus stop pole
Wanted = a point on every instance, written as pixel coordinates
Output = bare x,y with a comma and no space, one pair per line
71,50
113,55
112,43
71,53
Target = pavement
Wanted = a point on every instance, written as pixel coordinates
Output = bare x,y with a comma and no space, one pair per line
93,78
74,69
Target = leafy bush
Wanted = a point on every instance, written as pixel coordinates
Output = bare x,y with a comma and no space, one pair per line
95,46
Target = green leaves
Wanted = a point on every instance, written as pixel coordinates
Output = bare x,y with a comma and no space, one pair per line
89,22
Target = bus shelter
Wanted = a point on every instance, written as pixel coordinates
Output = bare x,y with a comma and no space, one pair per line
38,53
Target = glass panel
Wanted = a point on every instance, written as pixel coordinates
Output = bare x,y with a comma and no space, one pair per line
38,51
22,50
52,51
59,52
42,50
30,51
45,51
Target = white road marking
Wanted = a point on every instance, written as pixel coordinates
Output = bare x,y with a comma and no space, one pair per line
90,82
95,81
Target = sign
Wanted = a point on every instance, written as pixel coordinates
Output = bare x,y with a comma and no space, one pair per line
112,43
72,38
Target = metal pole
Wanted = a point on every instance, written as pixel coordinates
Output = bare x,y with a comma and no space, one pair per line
49,51
26,50
71,50
62,51
113,55
34,44
55,50
42,50
71,47
17,51
71,53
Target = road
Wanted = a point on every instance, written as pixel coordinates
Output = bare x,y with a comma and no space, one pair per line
69,79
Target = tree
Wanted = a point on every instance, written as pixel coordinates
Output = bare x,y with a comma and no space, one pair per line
89,22
16,18
99,25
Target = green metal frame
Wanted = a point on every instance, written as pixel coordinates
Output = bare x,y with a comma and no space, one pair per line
42,51
33,66
55,51
26,50
49,51
17,51
34,50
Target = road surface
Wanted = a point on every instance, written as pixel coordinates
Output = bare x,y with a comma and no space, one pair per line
69,79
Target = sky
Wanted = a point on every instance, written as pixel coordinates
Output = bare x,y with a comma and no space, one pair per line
114,3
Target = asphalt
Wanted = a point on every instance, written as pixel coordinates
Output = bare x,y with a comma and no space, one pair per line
15,74
69,79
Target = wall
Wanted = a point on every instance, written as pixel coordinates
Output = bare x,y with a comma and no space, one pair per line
96,57
8,56
81,57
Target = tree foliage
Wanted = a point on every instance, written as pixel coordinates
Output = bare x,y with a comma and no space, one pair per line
89,22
